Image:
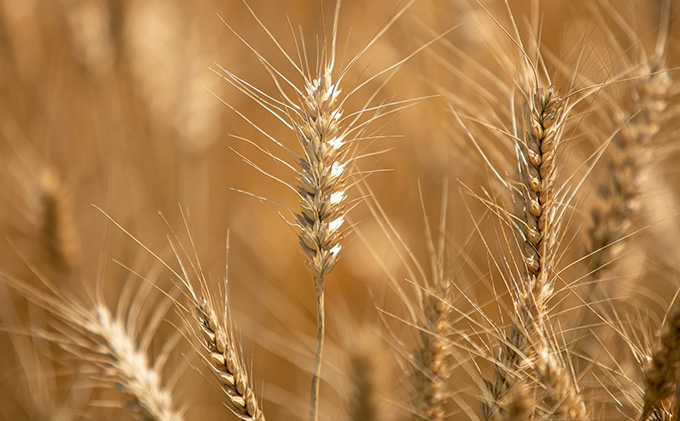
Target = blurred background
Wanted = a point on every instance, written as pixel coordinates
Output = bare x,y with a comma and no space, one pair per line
119,108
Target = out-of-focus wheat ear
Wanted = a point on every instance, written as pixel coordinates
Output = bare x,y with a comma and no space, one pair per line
626,159
661,376
96,337
58,226
129,365
431,364
518,404
224,358
367,371
564,398
363,405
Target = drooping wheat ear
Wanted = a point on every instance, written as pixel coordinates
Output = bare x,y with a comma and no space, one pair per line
225,361
210,323
543,120
661,377
431,367
628,155
94,336
129,366
57,223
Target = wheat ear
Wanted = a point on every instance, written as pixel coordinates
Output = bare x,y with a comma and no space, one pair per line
129,365
432,367
545,114
629,154
93,335
322,195
661,377
368,371
543,120
211,324
225,361
57,223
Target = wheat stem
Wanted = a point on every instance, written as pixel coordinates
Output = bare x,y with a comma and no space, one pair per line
320,334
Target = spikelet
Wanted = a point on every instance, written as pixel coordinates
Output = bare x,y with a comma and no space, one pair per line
564,398
517,404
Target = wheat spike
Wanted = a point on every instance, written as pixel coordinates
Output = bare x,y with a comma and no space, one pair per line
432,368
93,335
226,363
544,116
129,365
629,154
57,223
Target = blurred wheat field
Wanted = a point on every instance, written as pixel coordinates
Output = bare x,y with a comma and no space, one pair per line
508,245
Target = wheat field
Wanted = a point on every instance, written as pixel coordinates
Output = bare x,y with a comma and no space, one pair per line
339,210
